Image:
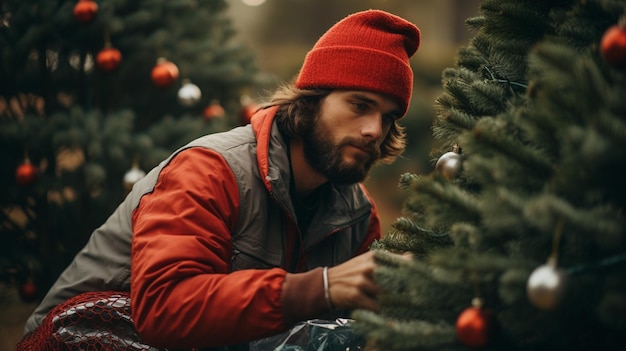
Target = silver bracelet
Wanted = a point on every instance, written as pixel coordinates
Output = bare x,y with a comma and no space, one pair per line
326,290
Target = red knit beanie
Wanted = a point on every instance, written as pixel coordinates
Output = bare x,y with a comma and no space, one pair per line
368,50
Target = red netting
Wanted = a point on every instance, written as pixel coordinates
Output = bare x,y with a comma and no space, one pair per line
90,321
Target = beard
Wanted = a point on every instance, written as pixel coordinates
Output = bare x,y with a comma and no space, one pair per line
325,156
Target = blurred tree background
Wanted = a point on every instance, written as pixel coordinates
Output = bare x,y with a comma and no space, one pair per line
94,94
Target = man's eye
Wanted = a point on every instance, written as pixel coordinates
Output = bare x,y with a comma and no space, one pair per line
359,106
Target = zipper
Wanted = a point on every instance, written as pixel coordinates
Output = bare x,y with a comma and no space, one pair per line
296,254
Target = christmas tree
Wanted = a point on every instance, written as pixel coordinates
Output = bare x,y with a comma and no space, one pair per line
92,95
519,235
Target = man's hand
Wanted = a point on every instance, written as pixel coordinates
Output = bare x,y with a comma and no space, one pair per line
351,284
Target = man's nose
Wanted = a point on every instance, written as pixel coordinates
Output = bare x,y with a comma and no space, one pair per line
373,126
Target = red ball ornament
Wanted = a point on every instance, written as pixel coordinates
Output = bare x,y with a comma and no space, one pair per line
248,109
247,112
164,73
28,291
85,11
613,46
108,59
214,110
474,327
26,173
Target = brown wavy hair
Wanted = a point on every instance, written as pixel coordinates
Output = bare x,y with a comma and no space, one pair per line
298,109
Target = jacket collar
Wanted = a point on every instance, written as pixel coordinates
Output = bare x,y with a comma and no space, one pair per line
262,122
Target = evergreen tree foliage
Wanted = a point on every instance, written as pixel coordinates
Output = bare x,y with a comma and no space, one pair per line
84,128
540,117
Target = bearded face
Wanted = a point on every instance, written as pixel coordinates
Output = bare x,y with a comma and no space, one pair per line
328,156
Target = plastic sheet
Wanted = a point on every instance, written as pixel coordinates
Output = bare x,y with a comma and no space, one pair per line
314,335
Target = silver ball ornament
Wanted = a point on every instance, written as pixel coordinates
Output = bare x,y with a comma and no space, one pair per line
450,164
189,94
133,176
546,286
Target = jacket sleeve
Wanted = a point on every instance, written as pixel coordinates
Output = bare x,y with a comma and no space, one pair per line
182,295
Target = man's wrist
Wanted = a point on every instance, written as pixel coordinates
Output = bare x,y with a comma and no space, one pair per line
331,306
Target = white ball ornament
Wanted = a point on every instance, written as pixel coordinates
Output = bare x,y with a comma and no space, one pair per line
189,94
131,177
546,286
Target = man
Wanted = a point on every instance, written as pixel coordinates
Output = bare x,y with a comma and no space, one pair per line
239,235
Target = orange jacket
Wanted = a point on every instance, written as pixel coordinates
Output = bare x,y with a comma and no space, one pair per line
182,292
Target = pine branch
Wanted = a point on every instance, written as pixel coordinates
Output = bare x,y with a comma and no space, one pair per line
393,334
446,199
488,134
